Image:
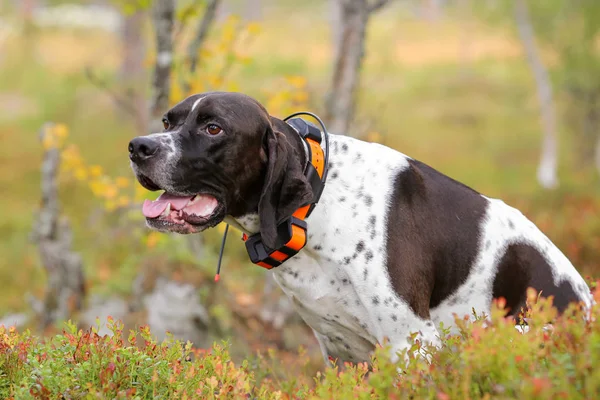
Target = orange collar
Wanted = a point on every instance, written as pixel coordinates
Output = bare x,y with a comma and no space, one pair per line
292,231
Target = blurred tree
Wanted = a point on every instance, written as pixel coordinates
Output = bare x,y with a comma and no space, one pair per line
201,34
547,169
163,15
132,74
65,290
431,9
567,30
350,28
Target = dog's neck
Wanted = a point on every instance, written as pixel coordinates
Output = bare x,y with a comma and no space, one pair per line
250,223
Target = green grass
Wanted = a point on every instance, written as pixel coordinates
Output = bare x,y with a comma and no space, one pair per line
484,359
477,123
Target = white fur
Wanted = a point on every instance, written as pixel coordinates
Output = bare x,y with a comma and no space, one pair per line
197,102
346,295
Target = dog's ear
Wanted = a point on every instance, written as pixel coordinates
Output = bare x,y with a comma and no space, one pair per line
285,188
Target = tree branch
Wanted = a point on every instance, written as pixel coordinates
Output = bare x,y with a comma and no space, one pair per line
377,5
202,33
121,100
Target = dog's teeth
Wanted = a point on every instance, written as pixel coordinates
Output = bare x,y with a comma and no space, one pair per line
167,211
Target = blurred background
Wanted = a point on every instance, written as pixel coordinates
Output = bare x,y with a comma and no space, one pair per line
502,95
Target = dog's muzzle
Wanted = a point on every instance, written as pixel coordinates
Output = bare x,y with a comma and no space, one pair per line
142,148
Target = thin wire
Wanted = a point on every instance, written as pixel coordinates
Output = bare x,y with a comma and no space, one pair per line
217,275
326,138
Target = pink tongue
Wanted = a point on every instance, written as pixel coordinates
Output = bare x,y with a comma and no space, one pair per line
152,209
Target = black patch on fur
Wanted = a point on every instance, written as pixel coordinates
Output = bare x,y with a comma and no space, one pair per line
344,147
342,199
334,174
368,256
368,200
375,300
360,246
522,266
433,229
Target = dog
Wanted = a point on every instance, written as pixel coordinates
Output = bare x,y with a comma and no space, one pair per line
394,247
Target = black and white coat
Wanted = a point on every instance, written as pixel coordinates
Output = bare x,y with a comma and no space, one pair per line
394,246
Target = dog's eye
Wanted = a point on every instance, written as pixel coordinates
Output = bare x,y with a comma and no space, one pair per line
165,123
213,129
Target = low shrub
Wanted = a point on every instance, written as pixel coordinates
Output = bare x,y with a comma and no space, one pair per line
483,358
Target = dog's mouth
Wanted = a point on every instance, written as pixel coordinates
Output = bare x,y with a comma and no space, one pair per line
183,214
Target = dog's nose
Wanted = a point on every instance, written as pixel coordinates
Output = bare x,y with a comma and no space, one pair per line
142,148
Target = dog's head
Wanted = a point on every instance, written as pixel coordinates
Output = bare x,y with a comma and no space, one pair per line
220,154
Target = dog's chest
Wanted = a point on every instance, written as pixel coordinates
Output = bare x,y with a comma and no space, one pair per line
329,304
339,283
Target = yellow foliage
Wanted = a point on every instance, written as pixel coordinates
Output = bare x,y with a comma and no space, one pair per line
253,28
152,239
374,137
296,81
111,191
123,201
61,131
97,187
80,173
300,97
197,87
122,182
110,205
48,142
95,171
54,136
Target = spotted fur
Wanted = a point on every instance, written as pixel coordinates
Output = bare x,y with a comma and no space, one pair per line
394,246
340,283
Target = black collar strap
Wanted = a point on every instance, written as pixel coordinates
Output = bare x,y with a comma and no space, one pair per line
291,233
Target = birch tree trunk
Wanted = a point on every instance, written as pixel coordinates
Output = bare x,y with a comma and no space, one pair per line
349,48
133,76
547,168
65,290
163,14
